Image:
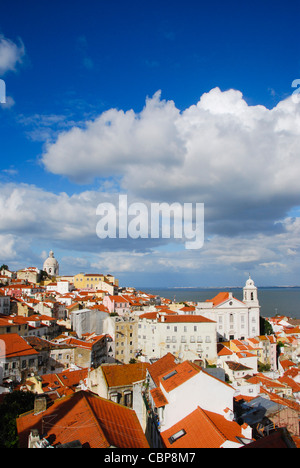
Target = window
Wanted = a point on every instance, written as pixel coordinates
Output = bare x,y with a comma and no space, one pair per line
195,327
171,374
175,329
177,436
115,397
185,329
128,399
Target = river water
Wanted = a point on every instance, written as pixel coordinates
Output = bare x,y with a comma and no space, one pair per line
273,301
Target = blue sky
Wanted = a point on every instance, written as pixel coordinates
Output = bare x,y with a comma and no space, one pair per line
199,101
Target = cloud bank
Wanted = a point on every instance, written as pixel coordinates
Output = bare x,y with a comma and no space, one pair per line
241,161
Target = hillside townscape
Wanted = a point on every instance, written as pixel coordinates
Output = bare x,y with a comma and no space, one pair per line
93,364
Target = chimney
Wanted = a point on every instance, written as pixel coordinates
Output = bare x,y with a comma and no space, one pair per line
228,414
40,405
246,431
34,438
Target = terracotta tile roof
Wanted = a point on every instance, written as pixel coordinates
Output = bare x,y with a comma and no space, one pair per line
118,299
94,421
161,366
237,366
292,372
173,317
286,364
290,383
158,397
126,374
188,308
179,375
223,350
282,401
78,343
186,318
67,378
265,381
292,331
15,345
219,298
202,429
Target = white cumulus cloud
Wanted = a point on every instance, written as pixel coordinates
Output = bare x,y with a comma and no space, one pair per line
11,54
241,161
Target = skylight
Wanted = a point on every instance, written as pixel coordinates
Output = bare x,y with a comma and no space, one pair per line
177,436
171,374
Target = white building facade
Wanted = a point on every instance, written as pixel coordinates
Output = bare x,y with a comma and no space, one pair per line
188,337
235,319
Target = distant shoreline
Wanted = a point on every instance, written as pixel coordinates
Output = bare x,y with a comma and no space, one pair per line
201,288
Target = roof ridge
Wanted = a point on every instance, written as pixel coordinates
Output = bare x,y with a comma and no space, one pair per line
85,396
213,424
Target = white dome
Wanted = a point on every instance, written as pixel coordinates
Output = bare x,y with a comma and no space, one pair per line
51,265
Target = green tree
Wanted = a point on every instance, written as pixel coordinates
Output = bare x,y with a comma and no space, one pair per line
12,406
265,327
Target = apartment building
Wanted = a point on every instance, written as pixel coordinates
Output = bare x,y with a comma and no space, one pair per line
191,337
125,338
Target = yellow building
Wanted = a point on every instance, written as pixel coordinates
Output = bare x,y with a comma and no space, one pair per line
82,281
95,281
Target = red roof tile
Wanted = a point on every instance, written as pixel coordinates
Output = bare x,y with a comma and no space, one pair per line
125,374
180,374
94,421
202,429
158,397
161,366
15,345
